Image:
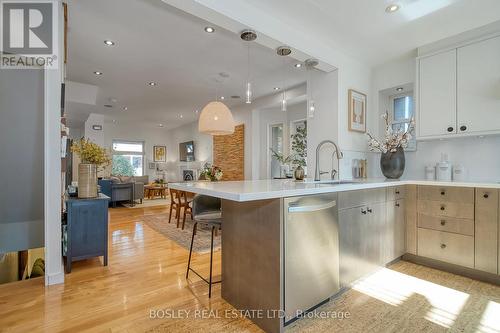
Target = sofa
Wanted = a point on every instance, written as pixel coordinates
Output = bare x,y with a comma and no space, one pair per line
121,188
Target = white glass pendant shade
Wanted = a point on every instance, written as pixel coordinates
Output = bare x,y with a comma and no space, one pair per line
283,104
249,93
216,119
311,108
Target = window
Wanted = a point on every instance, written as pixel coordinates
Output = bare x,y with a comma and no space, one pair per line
401,115
276,144
128,158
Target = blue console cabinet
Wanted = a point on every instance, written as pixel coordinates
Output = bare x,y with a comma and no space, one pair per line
86,232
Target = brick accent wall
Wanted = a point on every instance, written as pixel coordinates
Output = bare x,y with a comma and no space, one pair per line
229,153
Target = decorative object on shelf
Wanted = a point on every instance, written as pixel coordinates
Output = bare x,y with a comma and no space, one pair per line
392,161
357,111
91,156
211,172
152,165
159,154
299,173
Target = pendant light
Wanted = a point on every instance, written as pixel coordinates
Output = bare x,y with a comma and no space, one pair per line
248,36
310,64
283,51
216,118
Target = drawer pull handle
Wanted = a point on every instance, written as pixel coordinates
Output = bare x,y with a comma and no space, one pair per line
486,196
443,246
442,207
450,129
443,222
363,211
370,210
397,192
463,128
397,204
443,192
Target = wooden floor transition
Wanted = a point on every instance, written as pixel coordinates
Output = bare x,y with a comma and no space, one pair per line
146,273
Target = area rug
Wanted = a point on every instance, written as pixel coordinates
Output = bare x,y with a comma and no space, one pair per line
159,223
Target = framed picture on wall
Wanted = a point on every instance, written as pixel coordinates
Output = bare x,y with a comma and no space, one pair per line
159,153
357,111
152,165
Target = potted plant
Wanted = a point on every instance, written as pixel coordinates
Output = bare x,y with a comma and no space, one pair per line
392,160
91,156
212,172
284,162
299,146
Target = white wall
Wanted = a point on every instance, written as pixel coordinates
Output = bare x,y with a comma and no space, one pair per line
96,136
135,132
202,150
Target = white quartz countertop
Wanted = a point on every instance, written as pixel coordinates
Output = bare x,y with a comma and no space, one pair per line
250,190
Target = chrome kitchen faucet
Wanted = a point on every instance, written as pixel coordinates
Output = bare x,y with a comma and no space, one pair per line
337,152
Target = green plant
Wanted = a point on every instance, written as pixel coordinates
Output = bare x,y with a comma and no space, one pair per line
122,166
280,157
299,145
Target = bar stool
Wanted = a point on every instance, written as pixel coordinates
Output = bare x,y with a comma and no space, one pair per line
206,210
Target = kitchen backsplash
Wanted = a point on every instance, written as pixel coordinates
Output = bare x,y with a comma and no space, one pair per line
480,156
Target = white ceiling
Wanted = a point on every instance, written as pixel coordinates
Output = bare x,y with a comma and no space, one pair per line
156,42
362,28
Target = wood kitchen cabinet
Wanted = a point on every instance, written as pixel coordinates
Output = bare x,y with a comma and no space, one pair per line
486,230
395,228
437,95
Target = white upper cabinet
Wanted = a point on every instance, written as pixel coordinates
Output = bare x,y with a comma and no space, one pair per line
459,91
478,87
437,95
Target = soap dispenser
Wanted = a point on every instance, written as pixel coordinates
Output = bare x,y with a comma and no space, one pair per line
443,169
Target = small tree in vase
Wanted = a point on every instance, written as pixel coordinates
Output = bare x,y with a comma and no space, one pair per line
392,160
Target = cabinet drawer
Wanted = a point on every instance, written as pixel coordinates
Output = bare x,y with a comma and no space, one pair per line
396,193
459,226
358,198
445,193
447,209
444,246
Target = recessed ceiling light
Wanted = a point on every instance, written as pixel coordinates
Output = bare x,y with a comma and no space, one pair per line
196,111
399,89
392,8
160,125
298,65
109,42
97,73
152,84
209,29
181,116
114,121
276,88
125,108
222,97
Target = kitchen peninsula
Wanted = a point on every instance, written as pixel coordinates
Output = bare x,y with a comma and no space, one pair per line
289,246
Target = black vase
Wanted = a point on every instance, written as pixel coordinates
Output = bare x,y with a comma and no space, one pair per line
393,164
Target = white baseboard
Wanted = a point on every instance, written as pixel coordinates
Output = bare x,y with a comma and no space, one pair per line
52,279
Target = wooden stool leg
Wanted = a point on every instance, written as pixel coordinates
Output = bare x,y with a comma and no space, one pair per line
170,215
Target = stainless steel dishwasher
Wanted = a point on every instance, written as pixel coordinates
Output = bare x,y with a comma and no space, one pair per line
311,250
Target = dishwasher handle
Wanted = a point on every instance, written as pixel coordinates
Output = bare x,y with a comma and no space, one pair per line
311,208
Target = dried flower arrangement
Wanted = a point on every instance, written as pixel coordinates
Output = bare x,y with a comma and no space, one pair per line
90,152
393,139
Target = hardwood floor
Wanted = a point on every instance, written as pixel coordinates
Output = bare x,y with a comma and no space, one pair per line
147,272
